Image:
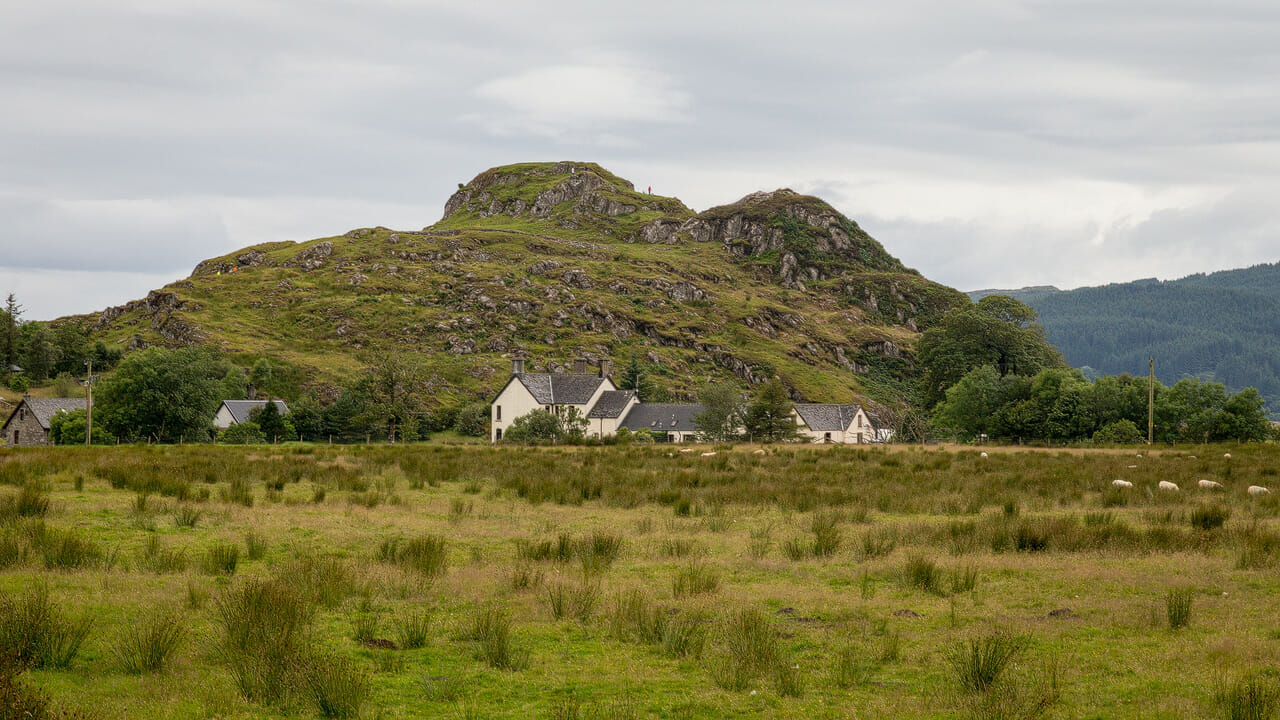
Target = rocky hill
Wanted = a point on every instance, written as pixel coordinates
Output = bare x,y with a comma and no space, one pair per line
554,261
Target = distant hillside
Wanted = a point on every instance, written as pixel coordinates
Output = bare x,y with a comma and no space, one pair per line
1224,327
557,260
1026,294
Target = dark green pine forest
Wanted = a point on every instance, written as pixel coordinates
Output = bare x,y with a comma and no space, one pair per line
1223,327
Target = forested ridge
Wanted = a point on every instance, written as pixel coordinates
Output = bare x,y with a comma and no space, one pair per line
1223,327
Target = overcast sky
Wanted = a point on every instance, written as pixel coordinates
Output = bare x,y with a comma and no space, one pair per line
986,143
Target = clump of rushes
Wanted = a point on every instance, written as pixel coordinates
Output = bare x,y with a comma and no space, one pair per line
146,646
426,554
978,662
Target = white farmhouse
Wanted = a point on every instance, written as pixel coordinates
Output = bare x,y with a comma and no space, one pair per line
553,392
666,422
849,424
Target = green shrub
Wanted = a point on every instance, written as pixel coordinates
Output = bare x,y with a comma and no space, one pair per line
147,644
683,636
750,648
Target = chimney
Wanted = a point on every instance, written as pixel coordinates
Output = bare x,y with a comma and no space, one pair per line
606,368
580,366
517,366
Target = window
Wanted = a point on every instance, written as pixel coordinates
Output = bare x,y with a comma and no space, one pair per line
15,437
498,411
826,437
499,434
22,415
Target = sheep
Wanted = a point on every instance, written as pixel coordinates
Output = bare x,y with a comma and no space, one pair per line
1168,486
1258,491
1226,455
758,452
1121,483
686,450
709,454
1209,484
984,454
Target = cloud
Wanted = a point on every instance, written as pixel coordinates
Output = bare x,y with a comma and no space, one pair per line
563,101
129,235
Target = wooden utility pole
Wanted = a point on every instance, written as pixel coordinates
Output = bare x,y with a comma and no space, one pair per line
88,406
1151,401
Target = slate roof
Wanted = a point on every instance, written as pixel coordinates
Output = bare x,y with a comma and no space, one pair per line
240,408
664,417
560,388
45,408
823,418
611,403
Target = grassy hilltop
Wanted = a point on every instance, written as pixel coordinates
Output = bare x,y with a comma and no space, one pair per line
557,260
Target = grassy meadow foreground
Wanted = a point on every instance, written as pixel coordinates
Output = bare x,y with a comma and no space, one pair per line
641,582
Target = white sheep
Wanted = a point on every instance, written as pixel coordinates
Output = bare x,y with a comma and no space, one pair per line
1209,484
758,452
1258,491
709,454
1168,486
1121,483
686,450
1226,455
984,454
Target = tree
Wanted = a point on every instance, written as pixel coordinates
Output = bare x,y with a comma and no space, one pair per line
970,405
9,331
37,351
165,395
1120,432
274,426
544,426
260,376
1243,418
997,331
721,417
67,428
635,378
307,418
768,418
391,396
472,420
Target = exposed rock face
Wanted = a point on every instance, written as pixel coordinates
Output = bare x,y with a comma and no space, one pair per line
160,311
584,188
313,258
577,278
545,267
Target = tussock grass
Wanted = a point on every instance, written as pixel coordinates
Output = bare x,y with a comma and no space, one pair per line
146,644
1251,697
695,579
426,554
413,630
336,685
976,664
1177,603
491,632
35,633
220,559
263,626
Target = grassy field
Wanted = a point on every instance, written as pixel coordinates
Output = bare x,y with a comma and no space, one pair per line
641,582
